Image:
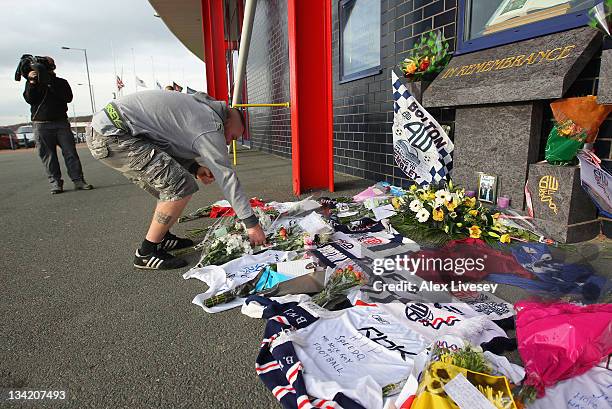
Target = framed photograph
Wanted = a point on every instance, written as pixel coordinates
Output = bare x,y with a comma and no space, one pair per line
487,188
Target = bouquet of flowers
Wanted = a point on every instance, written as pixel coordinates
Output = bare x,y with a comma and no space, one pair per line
226,247
287,238
446,364
427,58
346,276
564,141
435,215
199,213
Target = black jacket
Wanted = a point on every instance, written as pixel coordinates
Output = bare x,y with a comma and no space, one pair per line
48,102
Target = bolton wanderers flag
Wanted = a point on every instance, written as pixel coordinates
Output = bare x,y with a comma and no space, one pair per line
422,150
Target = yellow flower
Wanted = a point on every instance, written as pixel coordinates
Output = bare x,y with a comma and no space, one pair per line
395,202
496,216
430,196
451,206
505,238
438,215
475,232
413,188
473,212
470,201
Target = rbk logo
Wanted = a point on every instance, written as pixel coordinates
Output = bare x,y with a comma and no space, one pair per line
381,339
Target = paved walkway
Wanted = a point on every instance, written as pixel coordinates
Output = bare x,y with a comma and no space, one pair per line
77,317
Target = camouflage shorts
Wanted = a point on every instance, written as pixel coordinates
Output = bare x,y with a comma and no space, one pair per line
144,164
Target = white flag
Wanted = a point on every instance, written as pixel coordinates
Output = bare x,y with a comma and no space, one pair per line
140,83
421,147
596,181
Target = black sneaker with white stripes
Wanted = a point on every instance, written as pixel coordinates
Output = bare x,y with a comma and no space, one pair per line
158,260
171,242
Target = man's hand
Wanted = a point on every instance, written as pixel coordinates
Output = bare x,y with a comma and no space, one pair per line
205,175
256,235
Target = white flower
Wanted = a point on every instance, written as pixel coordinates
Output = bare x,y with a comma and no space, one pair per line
422,215
443,195
439,202
233,242
416,205
264,219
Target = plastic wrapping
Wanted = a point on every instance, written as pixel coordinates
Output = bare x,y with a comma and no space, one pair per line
584,112
577,121
561,340
432,392
562,149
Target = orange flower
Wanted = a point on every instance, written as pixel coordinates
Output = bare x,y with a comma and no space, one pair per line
475,232
410,68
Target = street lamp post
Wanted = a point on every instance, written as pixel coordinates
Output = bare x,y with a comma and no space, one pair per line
93,104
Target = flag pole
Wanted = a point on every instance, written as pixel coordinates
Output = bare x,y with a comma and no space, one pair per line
134,67
153,69
114,66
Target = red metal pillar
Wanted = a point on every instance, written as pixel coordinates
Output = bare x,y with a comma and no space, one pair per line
310,74
214,49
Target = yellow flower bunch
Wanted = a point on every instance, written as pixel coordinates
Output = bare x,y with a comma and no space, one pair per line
451,206
469,201
438,214
475,232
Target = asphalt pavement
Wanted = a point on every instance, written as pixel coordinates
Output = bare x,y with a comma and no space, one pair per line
77,317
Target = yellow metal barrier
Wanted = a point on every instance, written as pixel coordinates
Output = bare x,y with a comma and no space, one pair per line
280,104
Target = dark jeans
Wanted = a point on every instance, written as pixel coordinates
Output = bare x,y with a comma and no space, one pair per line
48,136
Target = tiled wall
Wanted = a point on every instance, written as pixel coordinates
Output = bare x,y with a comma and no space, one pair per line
363,109
268,78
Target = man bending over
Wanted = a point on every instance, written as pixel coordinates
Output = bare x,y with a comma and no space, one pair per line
161,141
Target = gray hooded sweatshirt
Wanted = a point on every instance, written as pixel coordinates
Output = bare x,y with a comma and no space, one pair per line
187,127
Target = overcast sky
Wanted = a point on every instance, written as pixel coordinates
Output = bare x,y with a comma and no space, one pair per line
42,27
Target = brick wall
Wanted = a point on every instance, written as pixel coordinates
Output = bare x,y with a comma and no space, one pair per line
363,109
268,78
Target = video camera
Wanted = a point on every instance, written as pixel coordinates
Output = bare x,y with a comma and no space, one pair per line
38,64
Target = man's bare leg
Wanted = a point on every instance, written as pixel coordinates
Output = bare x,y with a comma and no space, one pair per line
150,255
166,214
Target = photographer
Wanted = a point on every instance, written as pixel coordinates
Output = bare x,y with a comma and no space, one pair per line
48,96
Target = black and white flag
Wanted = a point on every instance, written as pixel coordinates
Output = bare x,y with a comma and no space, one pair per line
421,147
